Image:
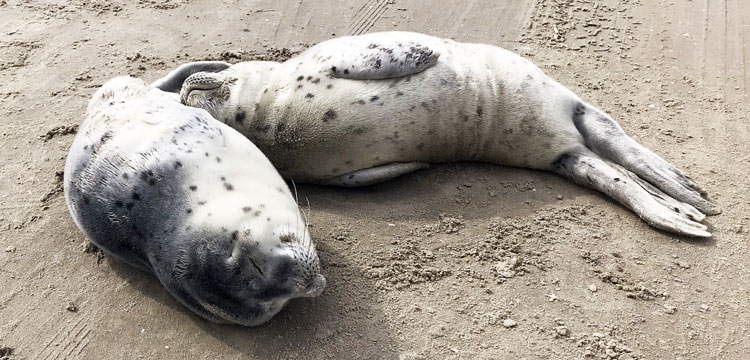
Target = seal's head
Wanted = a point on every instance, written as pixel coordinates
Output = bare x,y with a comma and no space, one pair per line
207,90
222,232
246,278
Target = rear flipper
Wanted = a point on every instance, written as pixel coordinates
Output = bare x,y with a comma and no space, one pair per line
606,138
651,204
375,174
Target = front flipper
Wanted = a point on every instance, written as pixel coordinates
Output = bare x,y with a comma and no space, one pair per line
376,174
375,57
172,82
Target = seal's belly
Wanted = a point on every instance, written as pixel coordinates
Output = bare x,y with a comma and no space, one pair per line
479,103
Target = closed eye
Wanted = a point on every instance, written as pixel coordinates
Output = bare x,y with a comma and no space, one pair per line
256,267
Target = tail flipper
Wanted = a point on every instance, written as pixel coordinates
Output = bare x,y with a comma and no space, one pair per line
606,138
651,204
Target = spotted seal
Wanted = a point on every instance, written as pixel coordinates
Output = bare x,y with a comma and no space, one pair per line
172,191
358,110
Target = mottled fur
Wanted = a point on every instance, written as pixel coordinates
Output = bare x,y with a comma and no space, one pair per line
169,189
353,110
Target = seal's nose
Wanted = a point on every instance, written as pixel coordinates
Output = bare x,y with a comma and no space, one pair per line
315,286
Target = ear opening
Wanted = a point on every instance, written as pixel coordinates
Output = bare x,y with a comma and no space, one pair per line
173,81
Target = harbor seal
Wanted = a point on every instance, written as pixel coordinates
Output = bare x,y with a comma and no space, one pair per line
358,110
172,191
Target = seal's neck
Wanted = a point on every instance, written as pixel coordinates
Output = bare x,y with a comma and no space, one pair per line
252,92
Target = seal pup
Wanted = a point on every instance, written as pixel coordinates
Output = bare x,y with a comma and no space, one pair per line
170,190
359,110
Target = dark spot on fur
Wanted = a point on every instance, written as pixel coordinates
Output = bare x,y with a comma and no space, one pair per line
239,117
149,177
247,209
399,93
189,211
580,110
235,235
129,205
309,78
348,162
479,111
107,135
346,71
299,86
374,98
329,86
177,165
135,196
228,186
329,115
300,78
193,187
201,203
218,159
125,176
617,179
333,68
119,203
309,96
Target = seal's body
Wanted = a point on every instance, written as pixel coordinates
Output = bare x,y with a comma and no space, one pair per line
358,110
169,189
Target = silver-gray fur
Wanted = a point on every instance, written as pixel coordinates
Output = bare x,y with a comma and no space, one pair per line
364,106
172,191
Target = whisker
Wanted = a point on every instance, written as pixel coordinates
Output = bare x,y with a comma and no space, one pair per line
307,222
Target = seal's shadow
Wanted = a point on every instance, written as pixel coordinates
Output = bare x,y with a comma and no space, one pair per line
329,326
471,190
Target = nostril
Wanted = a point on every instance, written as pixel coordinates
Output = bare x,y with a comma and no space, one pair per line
287,238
